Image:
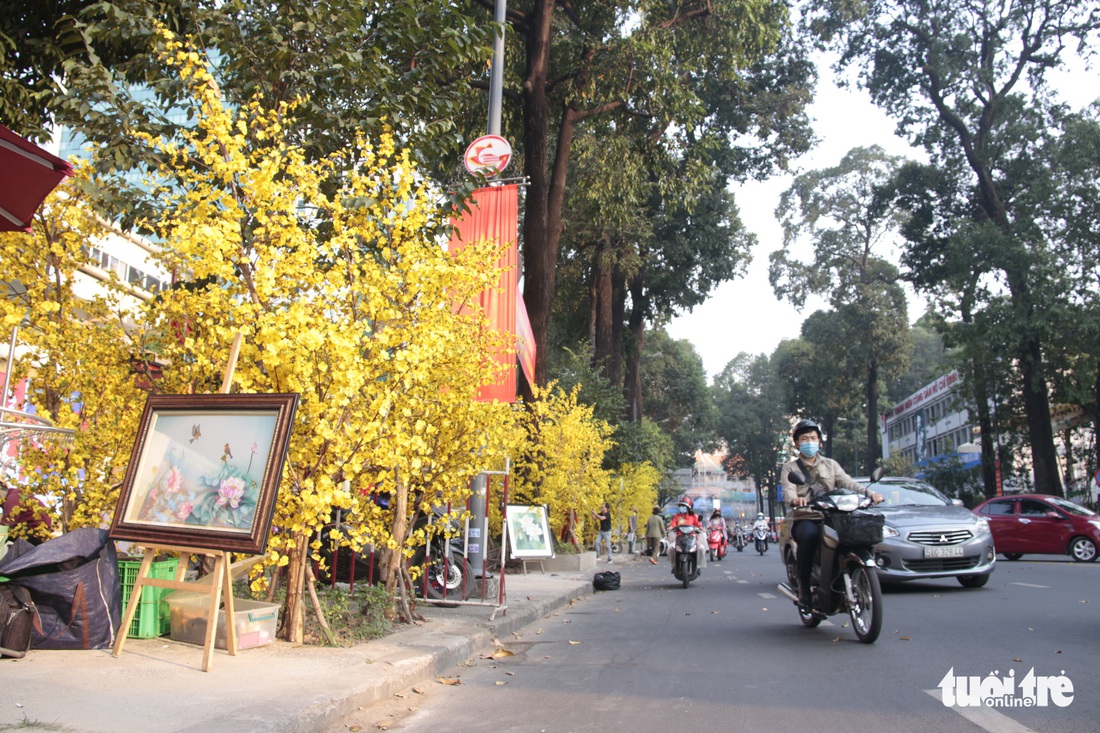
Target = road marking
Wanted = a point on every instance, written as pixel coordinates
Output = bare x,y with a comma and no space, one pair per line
743,582
986,718
1030,585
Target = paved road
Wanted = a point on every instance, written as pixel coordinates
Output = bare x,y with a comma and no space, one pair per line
729,653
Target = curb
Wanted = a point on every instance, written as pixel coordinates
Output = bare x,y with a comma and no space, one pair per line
395,663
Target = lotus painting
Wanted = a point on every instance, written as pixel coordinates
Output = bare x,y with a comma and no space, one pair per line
205,470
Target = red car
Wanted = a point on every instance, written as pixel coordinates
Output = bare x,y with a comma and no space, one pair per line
1041,524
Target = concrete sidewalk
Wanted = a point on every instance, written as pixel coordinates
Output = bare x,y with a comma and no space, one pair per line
158,684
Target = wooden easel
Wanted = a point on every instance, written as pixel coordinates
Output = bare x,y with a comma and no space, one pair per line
222,581
221,577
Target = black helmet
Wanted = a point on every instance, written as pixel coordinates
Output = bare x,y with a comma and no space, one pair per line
805,426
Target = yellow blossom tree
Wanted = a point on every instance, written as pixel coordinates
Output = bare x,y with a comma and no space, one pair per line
633,486
561,457
80,361
332,272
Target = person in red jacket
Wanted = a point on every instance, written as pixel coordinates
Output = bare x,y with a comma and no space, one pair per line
685,514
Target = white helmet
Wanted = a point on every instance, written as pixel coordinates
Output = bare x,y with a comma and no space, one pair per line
760,515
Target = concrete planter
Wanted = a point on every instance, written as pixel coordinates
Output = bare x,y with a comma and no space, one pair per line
581,562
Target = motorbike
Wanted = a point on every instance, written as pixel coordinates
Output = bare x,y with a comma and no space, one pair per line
716,542
760,537
686,550
844,577
446,572
739,539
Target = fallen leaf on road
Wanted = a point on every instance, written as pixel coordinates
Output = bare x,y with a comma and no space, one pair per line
714,613
418,690
502,653
904,638
574,643
354,728
501,682
1017,659
510,674
449,680
384,725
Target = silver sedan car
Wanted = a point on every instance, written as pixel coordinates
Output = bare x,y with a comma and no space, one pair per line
927,535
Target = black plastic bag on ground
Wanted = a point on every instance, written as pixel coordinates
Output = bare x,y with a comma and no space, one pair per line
73,580
606,581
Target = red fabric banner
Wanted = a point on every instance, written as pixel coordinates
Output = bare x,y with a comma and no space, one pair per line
526,336
493,216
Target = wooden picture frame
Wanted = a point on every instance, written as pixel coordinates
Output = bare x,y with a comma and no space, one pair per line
529,532
205,470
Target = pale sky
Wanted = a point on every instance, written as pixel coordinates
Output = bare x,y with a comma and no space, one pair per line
744,315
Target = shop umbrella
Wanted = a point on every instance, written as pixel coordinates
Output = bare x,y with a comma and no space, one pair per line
27,175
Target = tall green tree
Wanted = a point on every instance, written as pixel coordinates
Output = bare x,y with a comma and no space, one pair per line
653,66
960,78
752,423
850,216
351,66
679,400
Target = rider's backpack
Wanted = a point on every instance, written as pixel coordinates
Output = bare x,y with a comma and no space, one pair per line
17,618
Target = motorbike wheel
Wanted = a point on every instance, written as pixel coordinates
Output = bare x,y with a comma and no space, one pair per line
685,573
450,576
867,612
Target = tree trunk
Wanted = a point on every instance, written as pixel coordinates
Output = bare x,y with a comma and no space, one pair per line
1067,444
546,192
873,421
1044,458
985,426
292,622
632,388
602,309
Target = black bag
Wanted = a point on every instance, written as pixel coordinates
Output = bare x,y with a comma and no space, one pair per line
18,617
606,581
74,582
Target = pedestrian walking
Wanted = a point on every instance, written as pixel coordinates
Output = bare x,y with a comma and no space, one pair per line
632,530
604,536
654,531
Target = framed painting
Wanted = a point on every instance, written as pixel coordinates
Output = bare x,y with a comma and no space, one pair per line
529,532
205,470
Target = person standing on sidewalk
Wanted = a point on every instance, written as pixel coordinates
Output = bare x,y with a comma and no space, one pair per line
632,530
654,531
604,515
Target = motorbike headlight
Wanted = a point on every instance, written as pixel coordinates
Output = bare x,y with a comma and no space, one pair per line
888,531
981,526
846,502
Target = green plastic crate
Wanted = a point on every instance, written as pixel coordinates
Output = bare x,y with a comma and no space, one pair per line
151,617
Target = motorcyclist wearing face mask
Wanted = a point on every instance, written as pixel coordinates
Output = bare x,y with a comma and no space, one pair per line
824,473
685,514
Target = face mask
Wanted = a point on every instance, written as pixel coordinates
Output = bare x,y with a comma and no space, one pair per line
683,510
808,449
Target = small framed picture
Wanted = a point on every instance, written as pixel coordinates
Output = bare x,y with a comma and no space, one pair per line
205,470
529,532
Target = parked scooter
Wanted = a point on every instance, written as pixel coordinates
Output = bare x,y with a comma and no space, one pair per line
686,552
844,576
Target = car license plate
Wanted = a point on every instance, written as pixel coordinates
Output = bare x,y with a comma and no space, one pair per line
943,551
